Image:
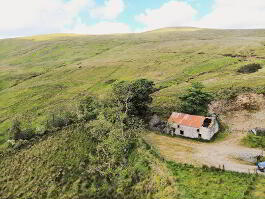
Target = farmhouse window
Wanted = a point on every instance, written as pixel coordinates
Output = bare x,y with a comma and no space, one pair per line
181,132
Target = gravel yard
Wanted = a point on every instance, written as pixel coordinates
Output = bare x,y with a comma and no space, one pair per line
228,152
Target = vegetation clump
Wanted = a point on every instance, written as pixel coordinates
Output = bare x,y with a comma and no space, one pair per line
254,141
88,109
16,133
249,68
134,96
195,101
58,121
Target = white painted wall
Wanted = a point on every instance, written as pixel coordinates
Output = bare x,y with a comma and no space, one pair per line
191,132
188,131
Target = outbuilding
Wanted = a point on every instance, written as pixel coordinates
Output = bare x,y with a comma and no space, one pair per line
193,126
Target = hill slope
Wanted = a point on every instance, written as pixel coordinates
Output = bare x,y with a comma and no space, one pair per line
41,74
65,165
48,73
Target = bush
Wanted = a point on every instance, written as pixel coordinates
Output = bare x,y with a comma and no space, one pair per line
41,129
27,134
254,141
60,121
249,68
56,122
70,117
15,130
16,133
88,109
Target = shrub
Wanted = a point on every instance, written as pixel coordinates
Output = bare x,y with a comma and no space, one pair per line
254,141
59,121
249,68
56,122
15,130
88,109
27,134
70,117
16,133
42,129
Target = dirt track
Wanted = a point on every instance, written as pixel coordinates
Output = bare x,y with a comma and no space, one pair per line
228,152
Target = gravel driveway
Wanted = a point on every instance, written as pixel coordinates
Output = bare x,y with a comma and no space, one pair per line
228,153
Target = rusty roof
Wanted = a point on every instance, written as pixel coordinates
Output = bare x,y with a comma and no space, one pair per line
195,121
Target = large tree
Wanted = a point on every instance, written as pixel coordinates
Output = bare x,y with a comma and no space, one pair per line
196,100
134,97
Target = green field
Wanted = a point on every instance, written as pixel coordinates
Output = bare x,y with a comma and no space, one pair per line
202,184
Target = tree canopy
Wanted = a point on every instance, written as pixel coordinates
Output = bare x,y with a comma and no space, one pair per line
134,97
196,100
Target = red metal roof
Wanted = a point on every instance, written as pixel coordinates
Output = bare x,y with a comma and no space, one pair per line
186,119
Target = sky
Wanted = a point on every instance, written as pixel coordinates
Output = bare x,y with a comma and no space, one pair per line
34,17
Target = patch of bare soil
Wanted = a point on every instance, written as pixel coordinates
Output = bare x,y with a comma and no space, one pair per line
244,120
247,101
247,111
227,153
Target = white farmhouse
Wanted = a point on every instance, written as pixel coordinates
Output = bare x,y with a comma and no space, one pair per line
192,126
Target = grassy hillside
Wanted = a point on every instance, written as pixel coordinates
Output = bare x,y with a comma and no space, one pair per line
43,73
62,166
46,74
